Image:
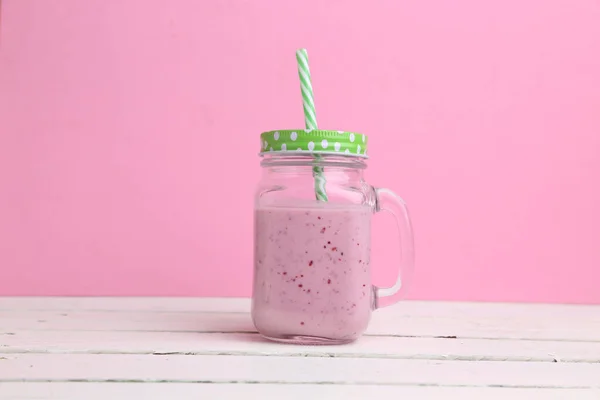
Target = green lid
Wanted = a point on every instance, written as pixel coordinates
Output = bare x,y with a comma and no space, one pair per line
314,141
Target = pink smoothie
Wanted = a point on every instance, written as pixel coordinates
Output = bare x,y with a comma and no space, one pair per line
312,276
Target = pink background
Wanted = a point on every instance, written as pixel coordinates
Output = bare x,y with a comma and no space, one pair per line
128,134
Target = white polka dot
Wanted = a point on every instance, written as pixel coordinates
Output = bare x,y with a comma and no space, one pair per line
311,146
364,138
340,132
276,135
266,145
293,136
324,143
347,151
270,149
337,146
283,147
308,130
352,137
358,149
298,149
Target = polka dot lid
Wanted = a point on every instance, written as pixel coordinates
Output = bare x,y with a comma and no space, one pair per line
314,141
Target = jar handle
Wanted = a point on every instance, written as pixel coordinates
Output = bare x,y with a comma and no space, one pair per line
386,200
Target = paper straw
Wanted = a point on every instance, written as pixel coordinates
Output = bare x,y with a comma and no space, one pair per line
310,117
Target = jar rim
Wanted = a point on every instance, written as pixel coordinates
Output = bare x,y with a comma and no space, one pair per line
313,155
291,159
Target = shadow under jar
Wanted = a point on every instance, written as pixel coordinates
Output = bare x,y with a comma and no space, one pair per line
312,263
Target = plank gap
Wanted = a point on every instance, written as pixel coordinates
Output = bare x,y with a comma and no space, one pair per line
324,354
249,332
277,382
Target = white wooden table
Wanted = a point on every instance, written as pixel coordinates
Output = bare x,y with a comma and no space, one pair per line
157,348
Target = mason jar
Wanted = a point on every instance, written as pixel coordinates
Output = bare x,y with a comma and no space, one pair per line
312,238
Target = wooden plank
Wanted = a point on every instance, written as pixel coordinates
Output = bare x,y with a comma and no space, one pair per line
394,321
118,304
126,321
286,370
251,344
179,391
212,304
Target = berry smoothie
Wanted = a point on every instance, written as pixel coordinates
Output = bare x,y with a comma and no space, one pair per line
312,275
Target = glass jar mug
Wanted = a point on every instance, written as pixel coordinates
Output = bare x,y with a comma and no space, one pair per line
312,238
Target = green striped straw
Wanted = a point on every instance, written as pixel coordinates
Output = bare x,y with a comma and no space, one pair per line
310,117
